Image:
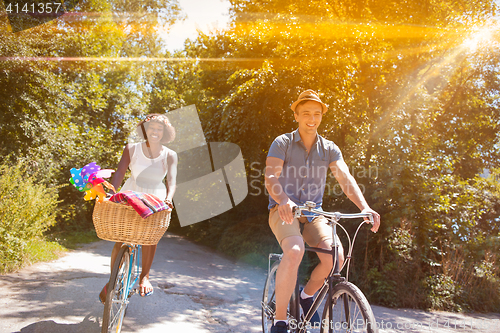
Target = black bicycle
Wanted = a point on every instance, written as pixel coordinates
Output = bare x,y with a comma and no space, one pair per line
344,307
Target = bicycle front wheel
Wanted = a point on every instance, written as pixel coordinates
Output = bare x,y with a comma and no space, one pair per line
117,296
351,311
269,302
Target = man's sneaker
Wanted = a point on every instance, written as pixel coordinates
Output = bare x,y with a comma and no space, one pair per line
306,304
280,327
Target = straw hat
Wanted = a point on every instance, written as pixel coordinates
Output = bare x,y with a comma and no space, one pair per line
309,95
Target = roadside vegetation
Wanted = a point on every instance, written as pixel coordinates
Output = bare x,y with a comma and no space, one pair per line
27,212
412,89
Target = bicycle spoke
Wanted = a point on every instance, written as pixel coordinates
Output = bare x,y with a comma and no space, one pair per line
117,298
351,312
268,301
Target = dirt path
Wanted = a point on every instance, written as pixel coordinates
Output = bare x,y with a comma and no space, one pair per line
408,320
196,290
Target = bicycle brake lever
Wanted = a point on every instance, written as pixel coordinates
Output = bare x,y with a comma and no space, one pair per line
296,212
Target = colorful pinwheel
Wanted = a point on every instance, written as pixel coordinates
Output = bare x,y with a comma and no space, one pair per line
90,179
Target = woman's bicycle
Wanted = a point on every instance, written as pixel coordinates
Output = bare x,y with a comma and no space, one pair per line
344,307
124,276
120,223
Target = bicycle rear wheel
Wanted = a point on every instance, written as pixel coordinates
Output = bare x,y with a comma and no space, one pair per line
269,302
117,297
351,311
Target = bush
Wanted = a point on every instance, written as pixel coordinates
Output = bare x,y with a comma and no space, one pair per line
26,211
383,289
443,293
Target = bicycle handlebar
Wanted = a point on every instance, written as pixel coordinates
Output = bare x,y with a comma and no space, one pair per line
336,216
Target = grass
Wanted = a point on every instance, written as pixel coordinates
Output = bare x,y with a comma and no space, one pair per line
50,247
73,239
35,250
38,249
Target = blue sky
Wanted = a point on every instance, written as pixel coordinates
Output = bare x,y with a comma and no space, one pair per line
204,15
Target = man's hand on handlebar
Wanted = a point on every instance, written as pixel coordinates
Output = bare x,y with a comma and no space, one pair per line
376,218
285,211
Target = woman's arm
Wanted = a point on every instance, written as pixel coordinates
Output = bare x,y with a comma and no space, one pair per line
171,177
121,169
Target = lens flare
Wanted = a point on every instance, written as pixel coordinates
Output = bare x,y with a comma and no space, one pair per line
479,37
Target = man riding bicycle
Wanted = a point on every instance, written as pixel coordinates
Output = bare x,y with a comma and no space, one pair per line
296,169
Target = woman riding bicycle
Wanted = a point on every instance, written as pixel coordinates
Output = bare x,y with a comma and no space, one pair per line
149,162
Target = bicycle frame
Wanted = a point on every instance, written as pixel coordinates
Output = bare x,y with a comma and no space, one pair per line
135,263
334,276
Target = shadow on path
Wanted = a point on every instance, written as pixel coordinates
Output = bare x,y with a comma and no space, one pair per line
89,325
196,290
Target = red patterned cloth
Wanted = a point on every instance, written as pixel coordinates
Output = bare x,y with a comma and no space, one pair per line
144,204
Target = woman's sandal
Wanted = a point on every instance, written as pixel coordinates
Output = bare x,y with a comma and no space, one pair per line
105,289
148,293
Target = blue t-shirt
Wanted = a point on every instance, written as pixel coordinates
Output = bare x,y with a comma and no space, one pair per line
303,177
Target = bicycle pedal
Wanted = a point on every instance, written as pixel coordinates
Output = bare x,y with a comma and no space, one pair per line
269,308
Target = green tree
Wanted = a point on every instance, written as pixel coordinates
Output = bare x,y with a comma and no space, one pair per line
70,92
411,99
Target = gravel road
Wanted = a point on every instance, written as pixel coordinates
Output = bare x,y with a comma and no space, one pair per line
196,290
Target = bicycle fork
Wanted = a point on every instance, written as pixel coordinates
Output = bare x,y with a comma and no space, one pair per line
327,288
135,263
333,278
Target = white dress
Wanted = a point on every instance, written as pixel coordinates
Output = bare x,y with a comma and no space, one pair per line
147,174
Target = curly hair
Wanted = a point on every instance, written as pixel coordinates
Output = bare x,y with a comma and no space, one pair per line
168,129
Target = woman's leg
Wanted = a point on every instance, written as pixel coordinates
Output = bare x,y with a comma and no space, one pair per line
114,253
148,254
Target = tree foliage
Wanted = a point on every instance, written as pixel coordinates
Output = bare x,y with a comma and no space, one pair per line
412,89
62,114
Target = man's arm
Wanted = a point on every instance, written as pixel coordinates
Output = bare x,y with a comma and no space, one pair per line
274,166
352,190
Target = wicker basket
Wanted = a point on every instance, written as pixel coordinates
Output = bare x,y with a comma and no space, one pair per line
121,223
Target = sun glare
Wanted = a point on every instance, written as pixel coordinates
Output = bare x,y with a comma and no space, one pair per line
478,38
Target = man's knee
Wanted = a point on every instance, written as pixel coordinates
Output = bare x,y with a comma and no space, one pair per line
294,254
293,249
